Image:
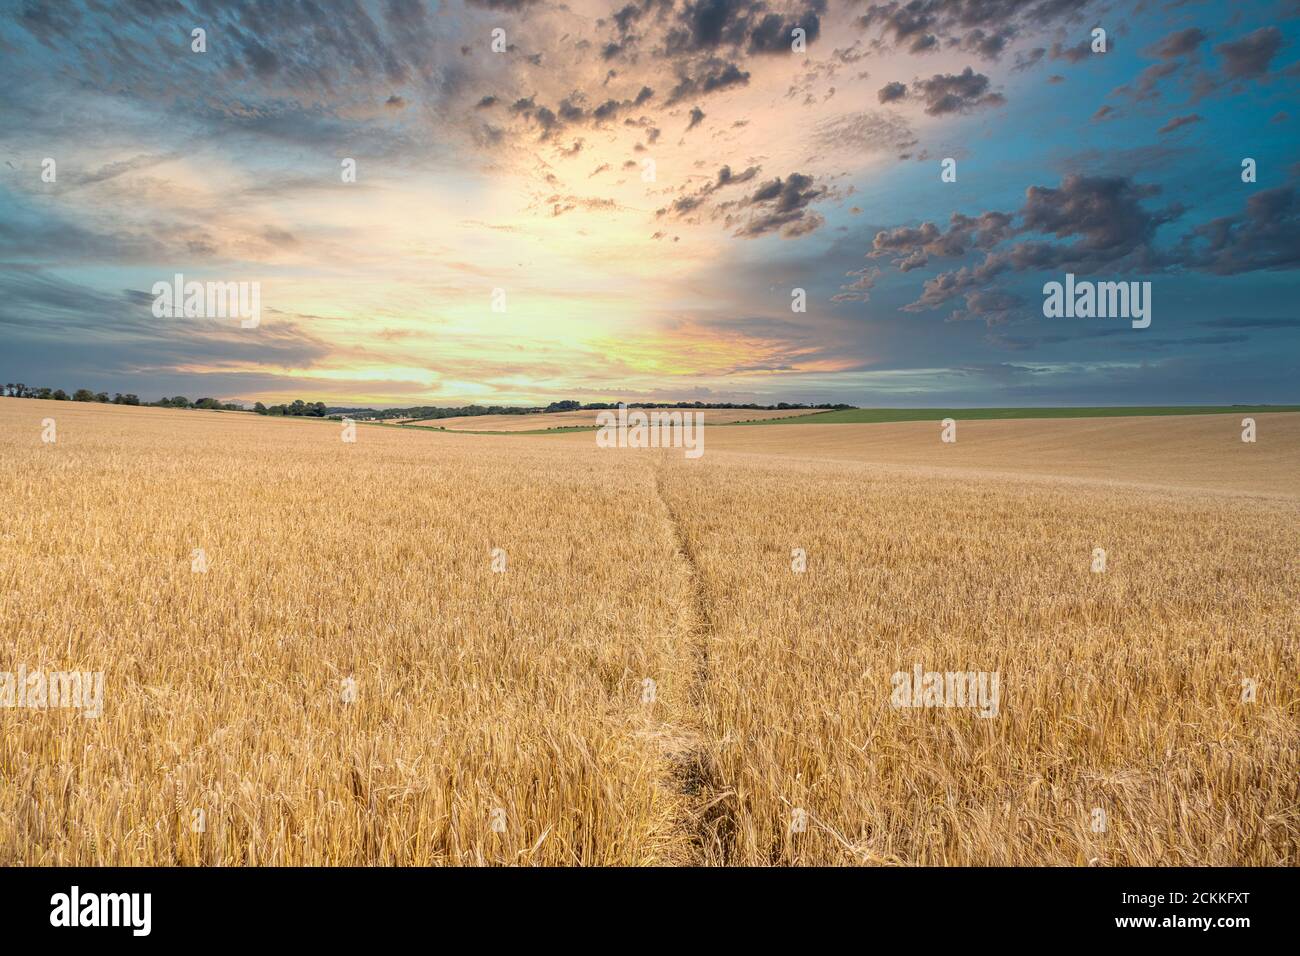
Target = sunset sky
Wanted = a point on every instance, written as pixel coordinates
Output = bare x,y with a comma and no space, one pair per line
773,169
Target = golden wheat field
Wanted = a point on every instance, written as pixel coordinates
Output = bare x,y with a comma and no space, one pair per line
428,648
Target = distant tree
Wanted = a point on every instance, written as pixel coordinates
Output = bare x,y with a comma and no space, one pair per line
83,395
59,395
180,401
259,408
101,397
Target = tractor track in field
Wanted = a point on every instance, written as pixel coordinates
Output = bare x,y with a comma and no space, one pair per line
707,823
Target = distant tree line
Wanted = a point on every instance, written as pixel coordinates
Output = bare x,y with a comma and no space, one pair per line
20,390
297,408
429,412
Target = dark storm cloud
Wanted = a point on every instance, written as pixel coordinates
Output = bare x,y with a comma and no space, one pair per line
777,206
1266,236
911,248
1110,227
1103,216
956,92
782,206
740,25
711,76
988,46
775,34
727,178
698,200
982,27
571,112
1104,213
892,92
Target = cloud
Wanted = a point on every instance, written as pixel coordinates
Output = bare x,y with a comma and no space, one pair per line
1250,56
739,25
1178,122
713,77
992,306
1111,228
1103,215
1146,86
115,169
697,117
911,248
956,92
982,27
860,289
1266,236
891,92
727,178
1077,53
125,337
782,206
1027,59
864,132
1179,43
